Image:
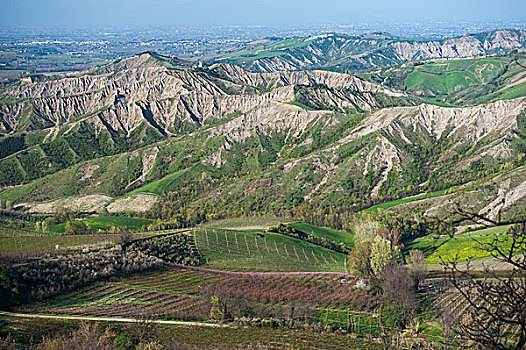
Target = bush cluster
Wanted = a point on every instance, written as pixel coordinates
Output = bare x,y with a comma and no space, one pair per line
42,278
50,276
177,249
307,237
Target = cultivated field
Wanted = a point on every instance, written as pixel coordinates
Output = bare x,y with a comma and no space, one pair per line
21,244
263,251
187,294
246,223
106,222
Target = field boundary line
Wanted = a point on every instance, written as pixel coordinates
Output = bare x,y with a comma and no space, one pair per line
263,273
109,319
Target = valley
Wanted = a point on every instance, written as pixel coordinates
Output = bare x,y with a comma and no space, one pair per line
316,192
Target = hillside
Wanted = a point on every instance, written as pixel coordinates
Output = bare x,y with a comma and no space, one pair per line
229,142
51,125
185,205
344,53
458,82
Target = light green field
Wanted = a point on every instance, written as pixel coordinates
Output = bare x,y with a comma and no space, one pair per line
301,105
267,50
162,185
468,246
235,250
106,222
509,93
490,231
329,233
446,77
458,82
394,203
247,223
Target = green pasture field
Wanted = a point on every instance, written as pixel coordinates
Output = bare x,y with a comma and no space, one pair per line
106,222
301,105
387,205
445,77
467,246
162,185
329,233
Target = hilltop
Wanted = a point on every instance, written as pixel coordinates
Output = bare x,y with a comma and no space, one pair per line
213,204
346,53
229,140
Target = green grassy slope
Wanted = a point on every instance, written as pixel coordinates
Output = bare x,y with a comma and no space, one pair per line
445,77
390,204
107,222
458,82
467,246
245,251
330,234
272,48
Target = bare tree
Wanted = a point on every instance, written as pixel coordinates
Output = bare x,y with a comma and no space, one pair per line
492,314
417,266
144,329
88,337
399,303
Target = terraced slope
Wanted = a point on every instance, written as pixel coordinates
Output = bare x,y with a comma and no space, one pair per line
185,294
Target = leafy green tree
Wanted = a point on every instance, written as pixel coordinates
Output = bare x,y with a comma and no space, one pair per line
383,253
216,312
63,214
365,230
76,227
359,259
44,226
153,345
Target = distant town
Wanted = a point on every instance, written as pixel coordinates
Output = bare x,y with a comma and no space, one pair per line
29,51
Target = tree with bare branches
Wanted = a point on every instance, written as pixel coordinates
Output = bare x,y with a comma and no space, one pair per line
493,310
417,266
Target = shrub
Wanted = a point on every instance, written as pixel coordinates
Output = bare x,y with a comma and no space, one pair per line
175,248
87,337
76,228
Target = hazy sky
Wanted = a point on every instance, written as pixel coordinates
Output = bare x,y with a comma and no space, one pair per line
83,13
